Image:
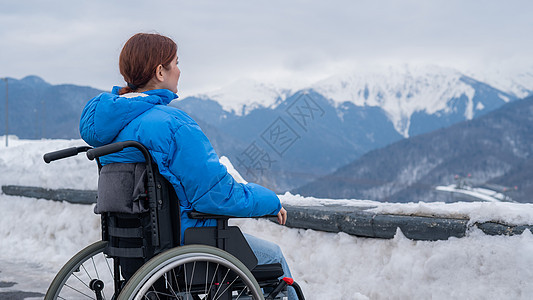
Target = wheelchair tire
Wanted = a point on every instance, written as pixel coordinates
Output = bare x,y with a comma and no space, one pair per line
168,270
74,279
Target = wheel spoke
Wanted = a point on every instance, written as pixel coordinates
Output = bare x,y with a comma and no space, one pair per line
83,282
176,279
86,272
212,280
95,269
170,285
229,285
192,276
98,275
82,293
109,267
238,296
221,283
206,276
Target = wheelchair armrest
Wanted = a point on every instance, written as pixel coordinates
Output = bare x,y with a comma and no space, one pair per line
201,215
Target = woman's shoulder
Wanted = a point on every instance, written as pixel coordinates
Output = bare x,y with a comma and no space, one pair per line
163,121
174,115
163,125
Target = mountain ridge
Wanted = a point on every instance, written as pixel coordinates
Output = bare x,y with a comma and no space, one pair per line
401,91
493,148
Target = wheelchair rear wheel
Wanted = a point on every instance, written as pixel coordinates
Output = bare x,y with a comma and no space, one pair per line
192,272
87,271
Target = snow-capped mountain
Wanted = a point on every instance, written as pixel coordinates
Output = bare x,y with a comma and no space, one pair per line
244,95
405,93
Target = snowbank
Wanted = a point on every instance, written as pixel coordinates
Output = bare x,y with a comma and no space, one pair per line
38,236
22,164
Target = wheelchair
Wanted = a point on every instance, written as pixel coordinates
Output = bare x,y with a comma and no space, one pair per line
141,256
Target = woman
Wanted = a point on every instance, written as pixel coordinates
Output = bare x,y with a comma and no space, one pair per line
184,155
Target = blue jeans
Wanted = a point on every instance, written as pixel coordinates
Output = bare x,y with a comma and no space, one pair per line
269,253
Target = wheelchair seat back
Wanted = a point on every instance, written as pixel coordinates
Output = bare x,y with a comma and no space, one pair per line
127,211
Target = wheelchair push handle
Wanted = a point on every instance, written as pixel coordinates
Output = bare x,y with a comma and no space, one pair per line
64,153
117,147
105,150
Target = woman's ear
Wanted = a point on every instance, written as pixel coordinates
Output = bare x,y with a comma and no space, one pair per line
159,73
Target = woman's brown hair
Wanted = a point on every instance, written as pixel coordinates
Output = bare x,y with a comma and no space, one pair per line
140,57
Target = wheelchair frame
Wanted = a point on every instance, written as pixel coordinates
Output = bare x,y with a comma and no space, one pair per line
158,263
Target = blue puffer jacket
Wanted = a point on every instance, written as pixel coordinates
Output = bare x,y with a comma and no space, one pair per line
182,152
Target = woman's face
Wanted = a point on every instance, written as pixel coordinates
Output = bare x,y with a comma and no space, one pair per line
171,76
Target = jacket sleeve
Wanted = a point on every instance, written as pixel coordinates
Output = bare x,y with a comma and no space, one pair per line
208,186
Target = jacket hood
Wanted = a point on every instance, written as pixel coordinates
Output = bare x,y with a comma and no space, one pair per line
107,114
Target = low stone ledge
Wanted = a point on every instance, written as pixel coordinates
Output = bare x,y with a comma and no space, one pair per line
359,222
353,220
69,195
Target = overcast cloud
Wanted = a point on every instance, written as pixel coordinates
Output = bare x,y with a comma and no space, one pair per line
221,41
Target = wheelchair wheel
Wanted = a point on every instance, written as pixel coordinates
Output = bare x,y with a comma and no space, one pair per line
85,272
192,272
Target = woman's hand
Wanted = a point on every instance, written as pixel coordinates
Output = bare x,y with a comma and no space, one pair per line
282,216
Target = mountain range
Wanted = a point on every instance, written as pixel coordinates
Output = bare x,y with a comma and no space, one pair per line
284,138
38,109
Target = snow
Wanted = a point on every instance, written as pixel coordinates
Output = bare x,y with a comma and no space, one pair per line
38,236
231,169
245,95
475,192
515,78
399,90
25,159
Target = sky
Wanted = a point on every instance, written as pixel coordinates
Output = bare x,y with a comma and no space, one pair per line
283,42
